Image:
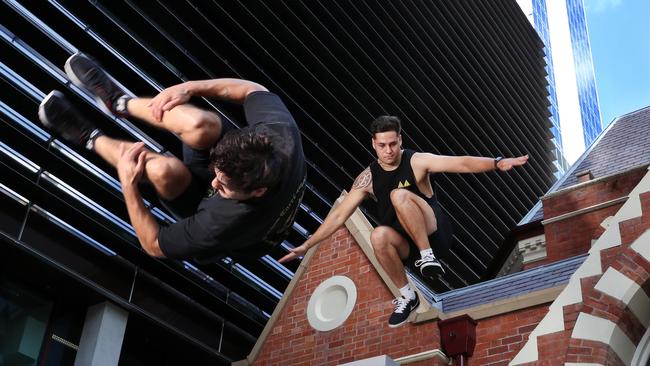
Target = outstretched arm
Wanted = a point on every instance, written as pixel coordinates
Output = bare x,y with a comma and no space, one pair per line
464,164
232,90
360,189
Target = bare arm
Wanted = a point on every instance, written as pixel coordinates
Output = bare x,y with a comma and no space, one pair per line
361,188
146,227
130,168
464,164
232,90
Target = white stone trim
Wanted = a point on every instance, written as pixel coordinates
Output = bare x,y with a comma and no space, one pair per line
602,330
610,238
607,222
533,249
527,353
554,319
617,285
426,355
632,208
642,245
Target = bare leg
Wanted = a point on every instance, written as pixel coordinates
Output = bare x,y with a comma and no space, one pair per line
390,247
415,215
198,128
169,176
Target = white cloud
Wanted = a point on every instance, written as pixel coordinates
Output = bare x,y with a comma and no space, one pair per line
602,5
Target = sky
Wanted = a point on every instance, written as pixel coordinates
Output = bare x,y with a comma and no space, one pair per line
619,32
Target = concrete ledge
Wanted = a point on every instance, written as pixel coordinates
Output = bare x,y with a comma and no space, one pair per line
426,355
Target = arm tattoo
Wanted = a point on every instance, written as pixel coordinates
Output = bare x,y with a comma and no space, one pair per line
363,180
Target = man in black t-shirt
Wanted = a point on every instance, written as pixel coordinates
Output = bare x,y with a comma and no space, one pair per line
256,174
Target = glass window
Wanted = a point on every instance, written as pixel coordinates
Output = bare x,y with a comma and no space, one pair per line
23,321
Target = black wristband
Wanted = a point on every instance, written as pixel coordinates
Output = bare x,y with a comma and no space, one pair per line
496,162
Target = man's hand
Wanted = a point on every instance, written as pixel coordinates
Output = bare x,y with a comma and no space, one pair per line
168,99
509,163
294,253
130,166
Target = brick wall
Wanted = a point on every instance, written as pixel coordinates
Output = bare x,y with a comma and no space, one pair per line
558,348
365,333
498,339
573,236
592,193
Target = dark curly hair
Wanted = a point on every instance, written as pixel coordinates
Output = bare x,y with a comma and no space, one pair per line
385,124
248,158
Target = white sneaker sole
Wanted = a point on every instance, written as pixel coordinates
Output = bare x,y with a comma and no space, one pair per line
42,116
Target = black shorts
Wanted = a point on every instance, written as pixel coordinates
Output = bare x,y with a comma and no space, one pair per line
198,163
440,240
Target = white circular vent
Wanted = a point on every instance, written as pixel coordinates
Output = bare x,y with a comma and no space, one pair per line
331,303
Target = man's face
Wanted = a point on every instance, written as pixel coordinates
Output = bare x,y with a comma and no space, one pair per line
388,146
221,183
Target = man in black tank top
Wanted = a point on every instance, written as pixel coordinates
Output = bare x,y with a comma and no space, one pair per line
410,218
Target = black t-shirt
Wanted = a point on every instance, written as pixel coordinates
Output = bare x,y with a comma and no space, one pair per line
248,228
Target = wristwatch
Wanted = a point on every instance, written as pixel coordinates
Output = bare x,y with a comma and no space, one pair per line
496,162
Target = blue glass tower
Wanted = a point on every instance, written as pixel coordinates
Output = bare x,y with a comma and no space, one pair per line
591,121
540,19
569,27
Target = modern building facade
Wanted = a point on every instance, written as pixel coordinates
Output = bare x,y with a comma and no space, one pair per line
466,78
574,106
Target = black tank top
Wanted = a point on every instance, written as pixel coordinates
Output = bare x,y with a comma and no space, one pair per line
383,182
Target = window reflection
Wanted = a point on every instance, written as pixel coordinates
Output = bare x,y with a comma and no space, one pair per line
23,322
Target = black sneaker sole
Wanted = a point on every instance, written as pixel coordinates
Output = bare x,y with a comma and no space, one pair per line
398,325
407,318
75,80
432,272
41,107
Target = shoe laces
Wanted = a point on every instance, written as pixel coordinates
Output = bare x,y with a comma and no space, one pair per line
426,259
400,304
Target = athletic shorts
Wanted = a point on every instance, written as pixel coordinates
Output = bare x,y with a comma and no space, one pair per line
440,240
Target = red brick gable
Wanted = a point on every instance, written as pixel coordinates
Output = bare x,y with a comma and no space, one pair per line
573,236
364,334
